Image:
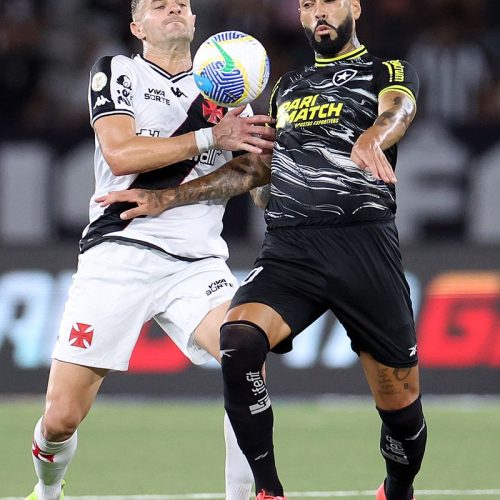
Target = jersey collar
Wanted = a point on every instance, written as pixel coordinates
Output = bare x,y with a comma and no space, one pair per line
161,71
354,54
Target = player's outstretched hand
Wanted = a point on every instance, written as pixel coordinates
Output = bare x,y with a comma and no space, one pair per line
368,155
236,133
149,201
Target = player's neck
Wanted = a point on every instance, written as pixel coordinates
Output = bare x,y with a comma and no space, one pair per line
173,60
352,45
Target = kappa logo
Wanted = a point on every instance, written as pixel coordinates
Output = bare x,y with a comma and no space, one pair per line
343,77
40,455
81,335
101,101
177,92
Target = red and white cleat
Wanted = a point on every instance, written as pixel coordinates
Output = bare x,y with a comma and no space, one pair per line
262,495
381,493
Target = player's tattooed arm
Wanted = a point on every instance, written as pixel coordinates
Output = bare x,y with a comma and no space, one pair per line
396,112
260,195
238,176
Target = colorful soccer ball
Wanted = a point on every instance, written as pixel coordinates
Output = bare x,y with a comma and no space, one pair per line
231,68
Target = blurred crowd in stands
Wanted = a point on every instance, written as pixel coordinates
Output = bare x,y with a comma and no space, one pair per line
449,169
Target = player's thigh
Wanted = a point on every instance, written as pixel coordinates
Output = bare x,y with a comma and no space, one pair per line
71,392
264,316
108,303
393,388
370,296
193,304
207,334
281,297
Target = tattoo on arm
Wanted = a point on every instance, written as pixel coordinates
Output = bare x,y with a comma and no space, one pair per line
260,195
392,123
236,177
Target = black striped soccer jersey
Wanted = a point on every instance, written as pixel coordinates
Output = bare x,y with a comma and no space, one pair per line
162,105
321,111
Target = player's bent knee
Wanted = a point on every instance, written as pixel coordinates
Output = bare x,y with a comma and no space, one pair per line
59,425
243,345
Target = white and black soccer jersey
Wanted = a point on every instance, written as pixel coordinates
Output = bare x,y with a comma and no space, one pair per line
162,105
321,111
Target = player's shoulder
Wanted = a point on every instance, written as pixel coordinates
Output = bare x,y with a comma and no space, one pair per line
391,64
105,63
289,78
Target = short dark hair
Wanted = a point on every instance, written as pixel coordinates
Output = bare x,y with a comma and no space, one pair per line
133,6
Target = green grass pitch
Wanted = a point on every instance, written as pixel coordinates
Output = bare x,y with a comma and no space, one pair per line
128,448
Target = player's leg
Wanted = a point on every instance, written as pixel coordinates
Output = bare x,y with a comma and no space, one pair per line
100,325
404,433
250,330
372,299
70,394
239,478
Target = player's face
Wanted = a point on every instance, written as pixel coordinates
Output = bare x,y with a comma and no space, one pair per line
160,22
329,24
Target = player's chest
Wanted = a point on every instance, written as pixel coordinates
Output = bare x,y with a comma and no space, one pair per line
327,98
164,104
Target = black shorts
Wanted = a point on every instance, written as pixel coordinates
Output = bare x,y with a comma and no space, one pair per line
354,271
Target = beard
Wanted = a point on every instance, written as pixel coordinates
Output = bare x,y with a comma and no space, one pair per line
326,46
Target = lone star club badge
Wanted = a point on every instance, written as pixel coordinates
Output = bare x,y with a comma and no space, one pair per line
343,77
81,335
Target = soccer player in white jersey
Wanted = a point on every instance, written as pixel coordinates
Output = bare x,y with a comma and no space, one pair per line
153,130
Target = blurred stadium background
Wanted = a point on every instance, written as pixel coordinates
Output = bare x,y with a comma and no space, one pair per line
448,217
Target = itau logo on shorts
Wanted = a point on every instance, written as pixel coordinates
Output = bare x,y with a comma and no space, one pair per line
81,335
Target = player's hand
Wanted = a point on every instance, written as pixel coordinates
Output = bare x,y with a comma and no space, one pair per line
368,155
235,133
149,201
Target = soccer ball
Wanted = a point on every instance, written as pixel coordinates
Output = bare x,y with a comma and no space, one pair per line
231,68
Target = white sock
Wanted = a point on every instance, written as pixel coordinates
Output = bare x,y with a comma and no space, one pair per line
239,477
51,461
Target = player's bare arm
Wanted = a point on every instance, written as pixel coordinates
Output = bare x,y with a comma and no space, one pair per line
396,112
260,195
127,153
238,176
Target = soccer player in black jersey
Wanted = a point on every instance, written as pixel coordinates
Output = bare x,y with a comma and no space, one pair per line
331,242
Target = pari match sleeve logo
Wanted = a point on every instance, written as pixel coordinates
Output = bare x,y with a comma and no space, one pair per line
307,112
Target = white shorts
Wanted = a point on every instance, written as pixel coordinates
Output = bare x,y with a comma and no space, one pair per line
120,286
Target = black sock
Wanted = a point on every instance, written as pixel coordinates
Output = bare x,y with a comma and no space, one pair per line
244,347
402,443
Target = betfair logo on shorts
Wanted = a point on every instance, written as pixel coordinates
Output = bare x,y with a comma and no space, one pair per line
396,71
306,112
217,285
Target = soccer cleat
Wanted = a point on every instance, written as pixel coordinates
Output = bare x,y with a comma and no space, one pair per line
33,496
381,493
264,496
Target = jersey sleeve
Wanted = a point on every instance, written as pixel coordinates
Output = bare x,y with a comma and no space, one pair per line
273,107
111,89
397,75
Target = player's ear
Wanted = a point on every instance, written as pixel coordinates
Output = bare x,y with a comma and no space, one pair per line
356,9
136,30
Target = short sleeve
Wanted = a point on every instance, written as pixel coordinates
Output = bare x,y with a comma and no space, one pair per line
397,75
111,88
